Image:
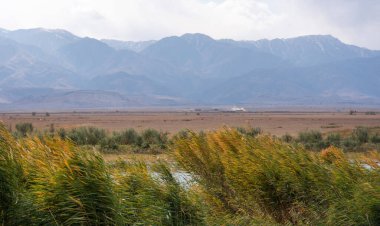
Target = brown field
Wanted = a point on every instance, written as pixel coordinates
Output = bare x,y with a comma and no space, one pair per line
277,123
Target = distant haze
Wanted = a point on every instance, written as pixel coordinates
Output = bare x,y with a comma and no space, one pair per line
352,21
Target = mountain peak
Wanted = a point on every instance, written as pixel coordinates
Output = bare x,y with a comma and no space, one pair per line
317,38
309,38
197,38
40,30
48,40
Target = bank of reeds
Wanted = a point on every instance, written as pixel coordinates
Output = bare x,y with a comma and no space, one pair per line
50,181
241,178
265,178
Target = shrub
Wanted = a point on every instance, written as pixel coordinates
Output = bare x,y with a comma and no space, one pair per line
24,128
182,134
350,144
361,134
87,135
252,132
109,144
62,133
287,138
151,138
375,138
128,137
334,139
312,140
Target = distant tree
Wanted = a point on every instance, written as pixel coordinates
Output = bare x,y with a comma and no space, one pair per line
47,114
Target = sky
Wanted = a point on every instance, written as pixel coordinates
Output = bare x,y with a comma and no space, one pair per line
352,21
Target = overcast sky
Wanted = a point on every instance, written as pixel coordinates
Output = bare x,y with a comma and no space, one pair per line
353,21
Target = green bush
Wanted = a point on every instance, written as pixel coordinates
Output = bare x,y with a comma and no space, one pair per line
312,140
109,144
128,137
252,132
350,144
361,134
375,138
151,138
287,138
334,139
24,128
86,135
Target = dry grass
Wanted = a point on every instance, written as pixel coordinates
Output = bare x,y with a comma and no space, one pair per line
148,158
265,178
172,122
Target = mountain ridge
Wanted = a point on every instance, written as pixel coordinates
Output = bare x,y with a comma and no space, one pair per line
191,69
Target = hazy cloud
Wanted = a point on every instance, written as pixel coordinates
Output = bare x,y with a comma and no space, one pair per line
353,21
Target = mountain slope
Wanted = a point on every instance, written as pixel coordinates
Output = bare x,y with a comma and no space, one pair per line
356,80
40,67
28,66
308,50
125,83
203,56
134,46
48,40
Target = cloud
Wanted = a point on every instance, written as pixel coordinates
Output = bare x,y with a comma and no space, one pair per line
352,21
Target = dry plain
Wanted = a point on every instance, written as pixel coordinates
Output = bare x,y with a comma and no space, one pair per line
277,123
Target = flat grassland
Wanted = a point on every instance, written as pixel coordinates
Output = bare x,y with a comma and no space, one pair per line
276,123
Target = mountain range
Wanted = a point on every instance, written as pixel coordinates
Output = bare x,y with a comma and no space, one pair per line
55,69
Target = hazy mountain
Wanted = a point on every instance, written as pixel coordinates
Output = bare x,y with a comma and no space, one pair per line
48,40
51,68
308,50
355,80
66,100
203,56
87,55
28,66
125,83
134,46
